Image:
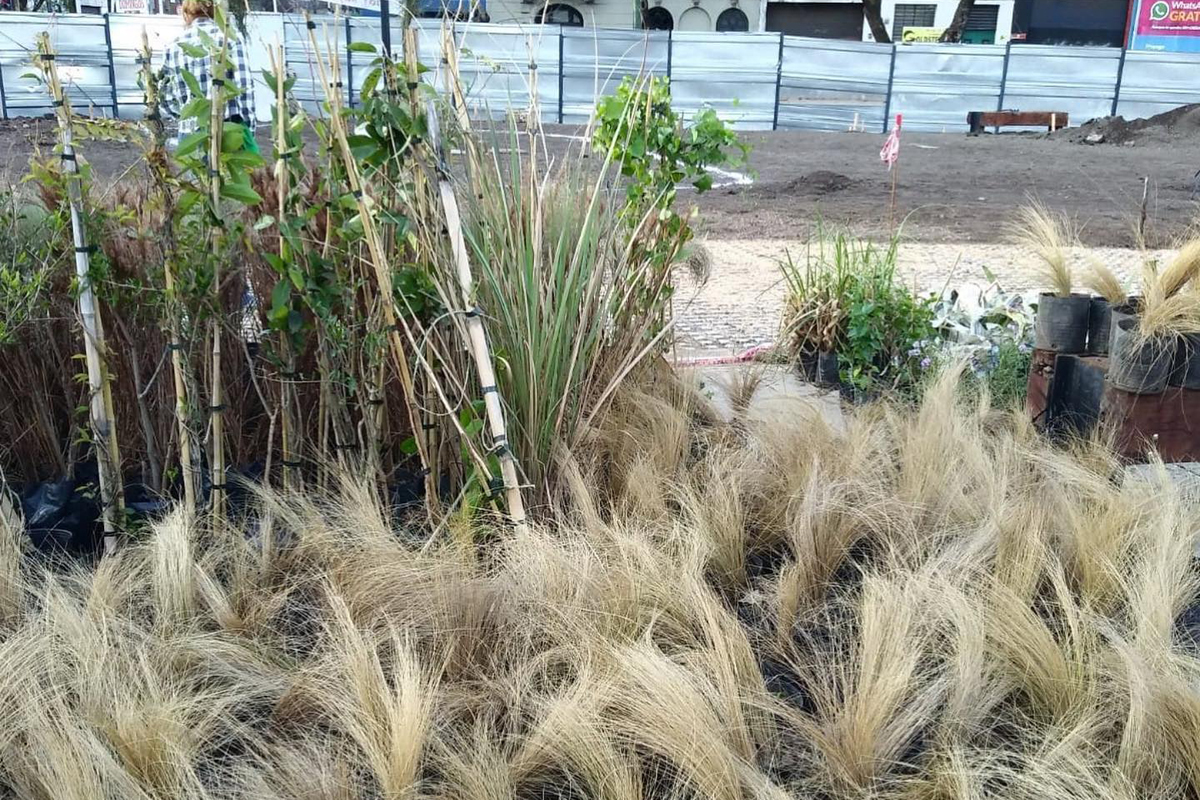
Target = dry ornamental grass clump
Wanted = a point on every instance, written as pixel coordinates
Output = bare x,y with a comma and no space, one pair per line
930,603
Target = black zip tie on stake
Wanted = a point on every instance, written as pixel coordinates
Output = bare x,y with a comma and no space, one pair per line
492,389
345,445
68,156
377,401
291,464
57,103
471,313
308,23
46,56
175,347
219,487
532,67
358,195
429,426
218,81
218,409
87,248
412,85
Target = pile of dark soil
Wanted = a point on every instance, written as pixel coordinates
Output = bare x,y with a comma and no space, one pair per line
815,184
1181,123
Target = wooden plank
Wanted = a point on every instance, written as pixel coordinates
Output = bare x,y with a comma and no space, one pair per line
992,119
1167,422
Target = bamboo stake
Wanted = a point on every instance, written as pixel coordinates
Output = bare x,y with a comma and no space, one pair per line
382,269
289,427
477,339
158,132
216,121
103,417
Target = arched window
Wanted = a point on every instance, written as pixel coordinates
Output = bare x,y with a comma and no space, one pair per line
694,19
560,14
732,20
659,19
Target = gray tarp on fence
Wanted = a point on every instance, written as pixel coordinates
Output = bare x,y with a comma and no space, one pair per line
829,85
756,80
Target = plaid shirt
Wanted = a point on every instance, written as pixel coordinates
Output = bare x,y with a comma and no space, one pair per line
175,93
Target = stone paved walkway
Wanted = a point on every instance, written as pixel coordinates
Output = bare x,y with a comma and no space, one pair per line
739,306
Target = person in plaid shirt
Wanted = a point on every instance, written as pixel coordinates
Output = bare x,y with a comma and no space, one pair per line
198,17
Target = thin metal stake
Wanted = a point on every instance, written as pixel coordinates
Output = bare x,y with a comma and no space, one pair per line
1120,79
778,86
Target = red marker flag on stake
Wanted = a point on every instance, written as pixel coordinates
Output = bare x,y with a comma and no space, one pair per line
890,153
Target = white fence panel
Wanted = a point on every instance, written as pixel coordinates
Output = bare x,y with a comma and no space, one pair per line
1156,82
734,73
595,61
936,85
833,85
1078,80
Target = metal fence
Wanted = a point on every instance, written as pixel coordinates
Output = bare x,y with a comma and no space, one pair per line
757,81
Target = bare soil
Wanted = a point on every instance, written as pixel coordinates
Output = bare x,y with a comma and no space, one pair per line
950,187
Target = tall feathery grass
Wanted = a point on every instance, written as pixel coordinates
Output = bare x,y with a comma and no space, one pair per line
1049,236
920,603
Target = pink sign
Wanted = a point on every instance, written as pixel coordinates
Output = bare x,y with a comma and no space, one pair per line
1169,18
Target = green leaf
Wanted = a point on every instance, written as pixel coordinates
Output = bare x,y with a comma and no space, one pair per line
264,222
369,83
361,47
242,192
703,183
409,446
193,50
197,107
232,137
192,84
190,142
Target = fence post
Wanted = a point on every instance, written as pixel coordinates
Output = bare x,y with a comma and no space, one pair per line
778,85
1003,80
887,103
1120,78
3,101
349,65
112,72
670,49
1004,75
561,70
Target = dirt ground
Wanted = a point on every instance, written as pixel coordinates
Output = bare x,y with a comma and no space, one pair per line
952,188
956,188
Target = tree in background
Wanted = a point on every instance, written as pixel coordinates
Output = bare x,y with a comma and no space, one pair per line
873,11
959,23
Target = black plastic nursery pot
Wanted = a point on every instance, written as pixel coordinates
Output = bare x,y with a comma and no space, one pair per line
1130,308
1185,367
1099,326
1136,364
1062,323
828,373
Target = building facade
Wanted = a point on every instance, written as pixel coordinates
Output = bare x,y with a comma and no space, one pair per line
680,15
991,21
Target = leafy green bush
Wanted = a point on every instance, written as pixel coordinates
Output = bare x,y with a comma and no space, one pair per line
846,298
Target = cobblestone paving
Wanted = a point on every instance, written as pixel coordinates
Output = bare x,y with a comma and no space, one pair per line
739,306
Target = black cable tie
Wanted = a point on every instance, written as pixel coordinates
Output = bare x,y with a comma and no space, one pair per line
312,26
58,103
219,487
174,347
140,61
490,389
357,194
291,464
413,84
426,472
378,401
214,173
329,204
473,312
499,441
532,67
345,445
218,409
87,248
67,156
218,81
338,85
46,56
